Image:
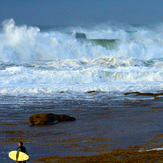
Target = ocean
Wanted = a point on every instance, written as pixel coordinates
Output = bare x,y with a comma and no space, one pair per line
81,71
51,61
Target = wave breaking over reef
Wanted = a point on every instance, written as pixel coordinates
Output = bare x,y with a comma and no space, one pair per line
111,59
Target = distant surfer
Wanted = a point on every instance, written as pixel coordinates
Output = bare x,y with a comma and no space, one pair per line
22,149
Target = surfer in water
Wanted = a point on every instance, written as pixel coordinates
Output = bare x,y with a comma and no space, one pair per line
22,149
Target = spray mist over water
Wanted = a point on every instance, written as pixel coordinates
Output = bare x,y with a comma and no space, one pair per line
113,58
21,43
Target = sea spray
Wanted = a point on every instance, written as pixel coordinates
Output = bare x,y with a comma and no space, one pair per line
110,59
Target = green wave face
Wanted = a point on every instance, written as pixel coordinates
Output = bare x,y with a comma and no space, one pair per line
108,44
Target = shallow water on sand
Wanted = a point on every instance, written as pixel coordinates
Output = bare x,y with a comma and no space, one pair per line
101,125
50,70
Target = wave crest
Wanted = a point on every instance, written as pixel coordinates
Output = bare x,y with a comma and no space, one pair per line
22,43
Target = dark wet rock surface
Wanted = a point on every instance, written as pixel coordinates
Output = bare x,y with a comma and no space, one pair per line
49,118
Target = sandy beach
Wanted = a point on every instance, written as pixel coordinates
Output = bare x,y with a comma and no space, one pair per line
101,126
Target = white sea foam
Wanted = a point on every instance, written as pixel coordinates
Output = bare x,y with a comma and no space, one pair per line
46,62
28,43
153,149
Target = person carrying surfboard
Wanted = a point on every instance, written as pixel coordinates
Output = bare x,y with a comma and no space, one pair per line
22,149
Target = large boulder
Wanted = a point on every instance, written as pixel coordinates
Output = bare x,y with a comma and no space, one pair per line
43,119
49,118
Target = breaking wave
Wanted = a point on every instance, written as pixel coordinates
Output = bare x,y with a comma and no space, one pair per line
107,58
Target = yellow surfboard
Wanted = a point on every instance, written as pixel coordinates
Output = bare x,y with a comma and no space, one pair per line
22,156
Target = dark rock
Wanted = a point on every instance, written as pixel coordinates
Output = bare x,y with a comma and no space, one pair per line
139,94
129,93
145,94
66,118
49,118
158,94
81,36
91,92
43,119
155,95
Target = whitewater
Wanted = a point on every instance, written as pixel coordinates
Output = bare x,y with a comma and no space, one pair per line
113,58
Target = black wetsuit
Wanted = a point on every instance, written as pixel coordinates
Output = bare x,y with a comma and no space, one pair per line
22,149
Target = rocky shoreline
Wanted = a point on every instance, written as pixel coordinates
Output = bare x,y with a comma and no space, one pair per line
103,130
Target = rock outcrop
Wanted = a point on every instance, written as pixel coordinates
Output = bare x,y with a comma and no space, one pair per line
155,95
81,36
49,118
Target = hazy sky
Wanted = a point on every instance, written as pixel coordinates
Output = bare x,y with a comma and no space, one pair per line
76,12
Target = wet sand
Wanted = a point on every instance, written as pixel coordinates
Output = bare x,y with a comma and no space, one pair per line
100,127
